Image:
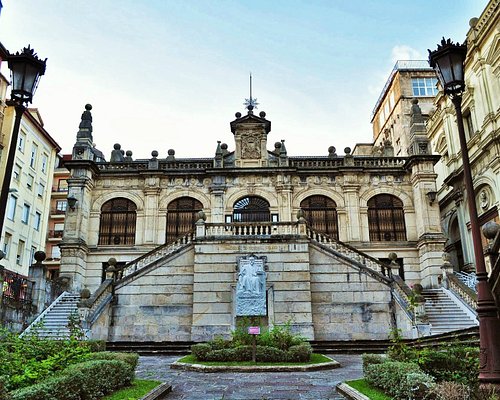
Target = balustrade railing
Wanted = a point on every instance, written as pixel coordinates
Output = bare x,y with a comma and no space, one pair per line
347,250
155,255
462,290
252,229
95,304
403,293
469,280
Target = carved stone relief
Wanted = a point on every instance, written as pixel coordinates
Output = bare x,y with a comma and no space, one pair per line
250,145
251,286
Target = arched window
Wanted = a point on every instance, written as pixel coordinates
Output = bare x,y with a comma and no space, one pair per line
321,214
251,209
181,216
117,226
386,219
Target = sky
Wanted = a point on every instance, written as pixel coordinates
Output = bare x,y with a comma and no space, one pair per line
171,74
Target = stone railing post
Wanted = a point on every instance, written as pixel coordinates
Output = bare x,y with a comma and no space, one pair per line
200,224
446,268
302,227
393,266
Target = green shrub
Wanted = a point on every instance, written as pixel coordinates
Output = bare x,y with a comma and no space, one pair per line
370,359
88,380
299,353
95,345
219,343
243,353
221,355
201,350
453,363
391,377
130,358
269,354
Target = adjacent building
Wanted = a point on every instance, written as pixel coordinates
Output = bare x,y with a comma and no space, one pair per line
481,114
409,80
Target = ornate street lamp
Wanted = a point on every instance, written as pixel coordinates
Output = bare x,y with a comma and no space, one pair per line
448,62
26,69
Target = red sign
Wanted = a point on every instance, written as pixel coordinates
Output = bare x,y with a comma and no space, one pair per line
254,330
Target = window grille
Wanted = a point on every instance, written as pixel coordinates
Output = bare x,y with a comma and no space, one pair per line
117,225
386,219
181,217
320,213
251,209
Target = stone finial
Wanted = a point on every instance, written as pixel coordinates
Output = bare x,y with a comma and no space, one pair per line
40,256
171,155
262,114
116,154
347,151
277,146
112,261
128,156
154,154
301,214
218,150
392,256
332,152
85,127
237,115
388,149
416,113
224,149
201,216
85,294
282,148
490,230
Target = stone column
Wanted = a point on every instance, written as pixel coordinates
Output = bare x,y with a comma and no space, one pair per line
151,205
351,188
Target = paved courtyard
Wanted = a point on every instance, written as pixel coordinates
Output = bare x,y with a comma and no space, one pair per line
316,385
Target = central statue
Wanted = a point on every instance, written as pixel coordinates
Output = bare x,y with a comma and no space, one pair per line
251,286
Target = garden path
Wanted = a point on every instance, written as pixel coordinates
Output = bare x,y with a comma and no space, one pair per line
188,385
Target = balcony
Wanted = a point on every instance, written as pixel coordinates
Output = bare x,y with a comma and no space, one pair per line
59,191
55,235
54,212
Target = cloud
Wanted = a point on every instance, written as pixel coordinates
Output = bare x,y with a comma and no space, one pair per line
404,52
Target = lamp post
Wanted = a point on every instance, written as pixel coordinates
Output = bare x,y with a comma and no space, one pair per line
26,69
448,62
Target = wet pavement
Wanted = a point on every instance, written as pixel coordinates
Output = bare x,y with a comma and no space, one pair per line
191,385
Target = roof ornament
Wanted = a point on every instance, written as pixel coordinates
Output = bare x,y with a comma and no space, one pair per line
251,102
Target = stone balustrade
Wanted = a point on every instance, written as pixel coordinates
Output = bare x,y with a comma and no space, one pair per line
262,229
462,290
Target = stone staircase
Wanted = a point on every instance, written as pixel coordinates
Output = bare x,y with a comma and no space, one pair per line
444,314
52,323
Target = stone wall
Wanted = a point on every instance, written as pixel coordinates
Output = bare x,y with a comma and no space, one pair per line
157,305
347,304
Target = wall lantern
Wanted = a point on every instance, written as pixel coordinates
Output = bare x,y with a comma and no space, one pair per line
72,200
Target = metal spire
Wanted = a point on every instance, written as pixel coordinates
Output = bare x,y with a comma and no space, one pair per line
250,103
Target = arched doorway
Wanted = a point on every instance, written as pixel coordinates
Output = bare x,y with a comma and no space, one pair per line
251,209
181,217
321,214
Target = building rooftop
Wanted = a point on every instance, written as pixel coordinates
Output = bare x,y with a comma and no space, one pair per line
401,65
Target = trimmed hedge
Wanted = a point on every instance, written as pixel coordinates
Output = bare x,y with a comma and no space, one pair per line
130,358
370,359
89,380
297,353
403,380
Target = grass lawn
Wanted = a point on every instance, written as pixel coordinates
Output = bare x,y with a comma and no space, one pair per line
373,393
139,388
315,359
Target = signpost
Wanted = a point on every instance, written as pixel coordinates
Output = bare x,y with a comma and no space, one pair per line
254,331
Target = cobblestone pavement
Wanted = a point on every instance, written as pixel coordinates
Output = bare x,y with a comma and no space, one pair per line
190,385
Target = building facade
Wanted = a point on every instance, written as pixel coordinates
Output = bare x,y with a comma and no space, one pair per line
25,225
391,117
177,228
58,206
481,113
